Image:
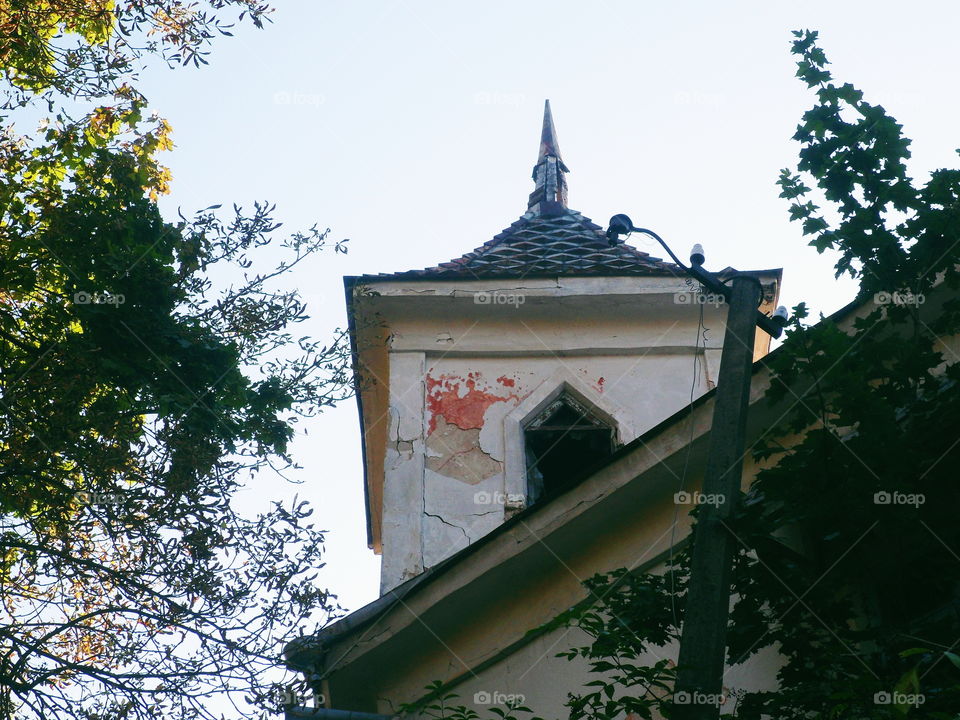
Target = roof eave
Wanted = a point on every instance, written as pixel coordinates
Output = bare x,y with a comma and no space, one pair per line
349,284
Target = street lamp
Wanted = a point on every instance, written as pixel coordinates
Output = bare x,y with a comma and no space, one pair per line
622,225
703,640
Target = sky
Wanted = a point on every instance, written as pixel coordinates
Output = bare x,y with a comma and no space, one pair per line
411,128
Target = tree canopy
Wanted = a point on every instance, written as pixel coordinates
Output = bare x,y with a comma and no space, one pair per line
149,370
91,48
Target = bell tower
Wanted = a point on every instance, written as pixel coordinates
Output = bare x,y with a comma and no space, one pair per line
489,384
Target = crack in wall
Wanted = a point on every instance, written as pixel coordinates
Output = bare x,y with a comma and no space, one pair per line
445,522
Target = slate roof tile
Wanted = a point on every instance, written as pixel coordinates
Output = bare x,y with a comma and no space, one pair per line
537,245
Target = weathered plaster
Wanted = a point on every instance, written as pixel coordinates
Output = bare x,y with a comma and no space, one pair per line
403,471
459,400
464,377
456,453
453,519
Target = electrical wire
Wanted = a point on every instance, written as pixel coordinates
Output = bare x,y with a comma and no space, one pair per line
702,331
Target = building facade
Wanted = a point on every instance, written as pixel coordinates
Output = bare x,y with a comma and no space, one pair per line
527,412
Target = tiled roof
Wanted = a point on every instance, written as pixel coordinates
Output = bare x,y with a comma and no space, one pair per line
563,242
550,239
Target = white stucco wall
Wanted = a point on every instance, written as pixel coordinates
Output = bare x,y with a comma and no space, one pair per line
470,360
463,375
464,502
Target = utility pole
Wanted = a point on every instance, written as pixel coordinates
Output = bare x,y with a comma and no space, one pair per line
703,642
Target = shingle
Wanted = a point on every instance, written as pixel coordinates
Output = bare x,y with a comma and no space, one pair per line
565,243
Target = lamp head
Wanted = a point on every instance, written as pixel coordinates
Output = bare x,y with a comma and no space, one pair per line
781,317
619,225
696,255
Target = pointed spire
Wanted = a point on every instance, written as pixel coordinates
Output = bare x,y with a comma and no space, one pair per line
550,195
548,136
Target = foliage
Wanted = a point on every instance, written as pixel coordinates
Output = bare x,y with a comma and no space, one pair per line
848,538
628,621
130,420
91,48
438,705
148,370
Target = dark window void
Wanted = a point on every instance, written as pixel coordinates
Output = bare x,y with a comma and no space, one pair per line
562,442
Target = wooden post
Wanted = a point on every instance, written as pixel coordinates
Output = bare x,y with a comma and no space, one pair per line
703,641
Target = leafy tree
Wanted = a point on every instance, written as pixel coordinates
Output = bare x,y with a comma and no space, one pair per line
148,369
91,48
848,540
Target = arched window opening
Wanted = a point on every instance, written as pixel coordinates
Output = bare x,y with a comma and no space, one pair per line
562,441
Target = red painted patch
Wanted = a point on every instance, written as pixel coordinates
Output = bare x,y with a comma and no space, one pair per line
446,396
600,383
506,382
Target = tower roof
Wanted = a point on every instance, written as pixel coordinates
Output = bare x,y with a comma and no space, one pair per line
547,245
549,239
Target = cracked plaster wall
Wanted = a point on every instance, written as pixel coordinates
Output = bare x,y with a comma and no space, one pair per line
445,486
457,371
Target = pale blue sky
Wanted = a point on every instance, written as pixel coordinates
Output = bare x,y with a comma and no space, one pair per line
412,127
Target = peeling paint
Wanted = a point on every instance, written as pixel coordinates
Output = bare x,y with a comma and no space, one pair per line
597,385
460,401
